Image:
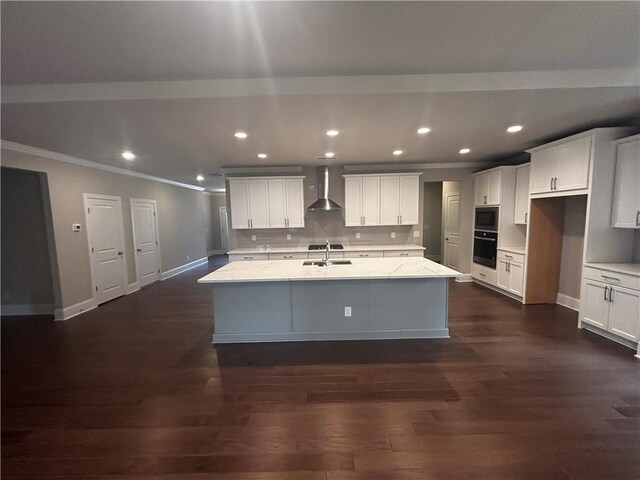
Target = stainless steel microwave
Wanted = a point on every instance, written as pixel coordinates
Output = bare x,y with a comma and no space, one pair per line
487,219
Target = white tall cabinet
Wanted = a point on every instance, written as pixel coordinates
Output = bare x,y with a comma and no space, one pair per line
488,188
626,197
521,213
385,199
266,202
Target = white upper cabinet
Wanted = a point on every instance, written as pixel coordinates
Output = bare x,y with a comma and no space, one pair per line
521,211
563,167
488,187
268,202
626,198
390,199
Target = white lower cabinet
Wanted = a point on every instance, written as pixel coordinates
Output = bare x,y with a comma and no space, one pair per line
510,276
484,274
612,308
403,253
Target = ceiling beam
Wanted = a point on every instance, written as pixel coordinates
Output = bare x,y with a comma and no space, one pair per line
371,84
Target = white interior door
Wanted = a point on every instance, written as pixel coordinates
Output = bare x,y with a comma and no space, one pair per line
224,229
106,246
146,241
451,234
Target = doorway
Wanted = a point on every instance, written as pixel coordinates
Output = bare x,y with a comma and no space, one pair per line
224,230
441,210
105,233
146,240
450,222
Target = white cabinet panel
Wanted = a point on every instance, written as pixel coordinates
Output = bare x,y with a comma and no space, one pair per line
626,198
259,203
353,201
295,202
389,200
277,203
516,278
366,254
481,188
409,199
371,200
624,314
503,274
239,198
595,309
488,188
521,214
403,253
572,165
542,170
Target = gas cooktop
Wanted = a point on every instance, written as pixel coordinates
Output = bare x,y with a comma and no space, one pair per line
333,246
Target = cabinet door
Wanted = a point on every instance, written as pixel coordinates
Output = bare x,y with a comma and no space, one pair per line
295,202
277,204
503,274
409,199
572,165
494,187
239,199
521,214
626,199
389,200
624,316
259,203
516,278
542,170
371,200
482,189
596,306
352,201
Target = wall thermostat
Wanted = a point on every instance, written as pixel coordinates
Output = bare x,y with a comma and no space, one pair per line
76,227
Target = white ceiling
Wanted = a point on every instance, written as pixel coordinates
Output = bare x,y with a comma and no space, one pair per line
467,70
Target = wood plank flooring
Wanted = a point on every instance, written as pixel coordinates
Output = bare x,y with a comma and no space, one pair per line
134,389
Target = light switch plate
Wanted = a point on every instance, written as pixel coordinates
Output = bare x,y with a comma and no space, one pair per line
347,311
253,238
288,236
416,234
76,227
393,234
357,234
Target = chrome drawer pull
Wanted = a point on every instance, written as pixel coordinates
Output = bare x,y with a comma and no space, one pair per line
610,278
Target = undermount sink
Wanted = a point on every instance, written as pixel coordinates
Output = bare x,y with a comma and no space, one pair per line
320,263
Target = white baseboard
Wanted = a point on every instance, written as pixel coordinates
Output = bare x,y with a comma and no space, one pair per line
133,287
214,252
68,312
569,302
183,268
26,309
434,258
465,278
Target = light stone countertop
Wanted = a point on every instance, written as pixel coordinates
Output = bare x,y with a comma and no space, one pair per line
628,268
305,249
519,250
360,269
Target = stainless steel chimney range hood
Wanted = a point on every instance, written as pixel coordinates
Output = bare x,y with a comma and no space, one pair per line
324,203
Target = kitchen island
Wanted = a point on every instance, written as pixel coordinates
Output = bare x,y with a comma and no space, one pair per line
368,298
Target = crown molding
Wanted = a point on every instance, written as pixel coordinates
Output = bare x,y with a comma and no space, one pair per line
415,166
260,170
61,157
340,85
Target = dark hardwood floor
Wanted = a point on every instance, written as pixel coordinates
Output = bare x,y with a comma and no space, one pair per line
134,389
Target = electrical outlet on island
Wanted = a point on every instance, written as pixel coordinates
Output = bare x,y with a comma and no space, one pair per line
253,238
393,234
357,234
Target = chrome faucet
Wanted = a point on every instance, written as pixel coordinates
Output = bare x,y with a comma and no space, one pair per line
327,247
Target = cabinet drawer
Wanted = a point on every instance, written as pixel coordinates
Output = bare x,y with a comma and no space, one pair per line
510,257
485,274
287,256
403,253
612,278
249,256
367,254
320,255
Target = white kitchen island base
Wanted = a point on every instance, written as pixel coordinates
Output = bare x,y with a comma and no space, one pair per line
388,298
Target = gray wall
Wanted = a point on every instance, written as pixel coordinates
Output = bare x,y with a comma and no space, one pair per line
575,214
26,264
432,220
183,217
322,225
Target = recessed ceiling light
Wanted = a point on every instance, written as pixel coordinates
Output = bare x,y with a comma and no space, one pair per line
128,155
329,154
514,128
423,130
397,152
262,155
464,151
332,133
200,178
240,135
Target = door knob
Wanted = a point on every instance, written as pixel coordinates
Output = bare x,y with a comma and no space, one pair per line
120,253
446,238
138,249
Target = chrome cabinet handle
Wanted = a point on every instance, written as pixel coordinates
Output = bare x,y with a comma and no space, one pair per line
482,274
555,183
400,219
638,219
404,254
605,293
485,199
615,279
526,214
288,256
363,255
247,258
610,294
551,184
508,256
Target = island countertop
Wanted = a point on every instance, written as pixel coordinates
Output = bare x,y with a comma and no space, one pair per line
305,249
360,269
